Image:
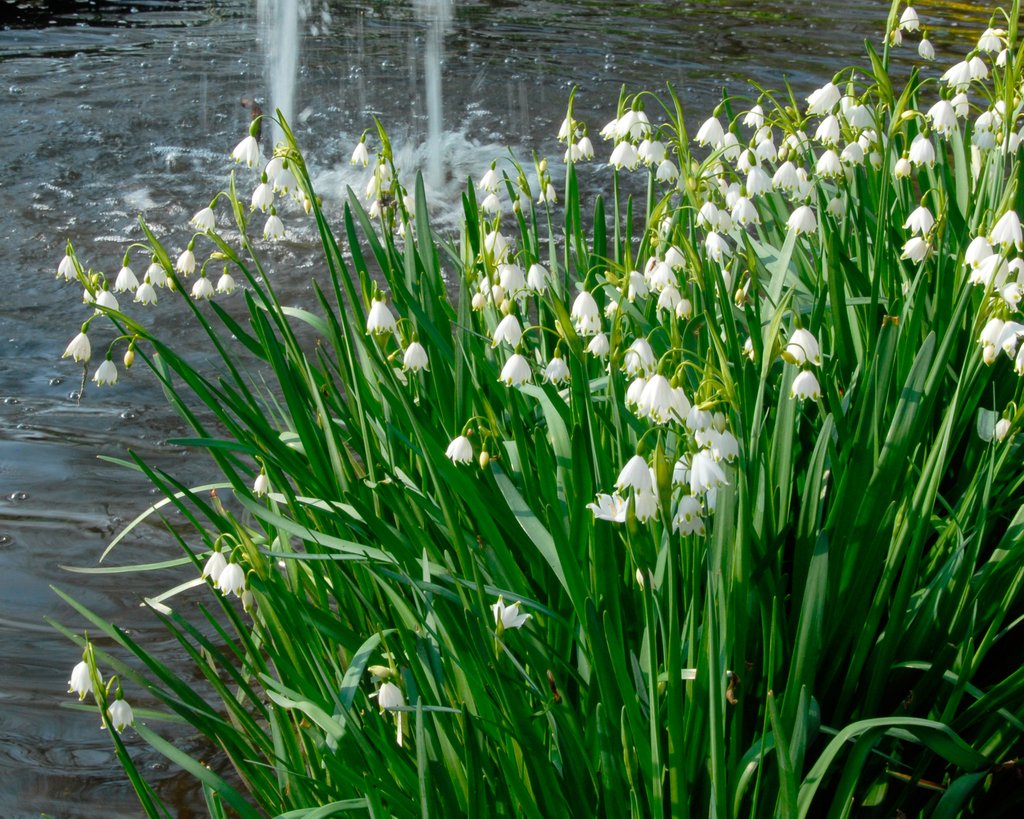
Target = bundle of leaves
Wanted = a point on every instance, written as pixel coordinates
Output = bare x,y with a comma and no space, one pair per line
703,499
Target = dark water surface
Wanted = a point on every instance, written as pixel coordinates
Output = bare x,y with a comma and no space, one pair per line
111,109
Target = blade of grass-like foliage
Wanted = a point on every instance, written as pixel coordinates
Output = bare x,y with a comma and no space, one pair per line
199,771
330,809
539,537
937,736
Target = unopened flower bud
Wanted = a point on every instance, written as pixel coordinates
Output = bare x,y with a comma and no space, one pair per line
129,357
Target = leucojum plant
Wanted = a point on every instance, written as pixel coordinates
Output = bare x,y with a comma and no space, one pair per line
700,497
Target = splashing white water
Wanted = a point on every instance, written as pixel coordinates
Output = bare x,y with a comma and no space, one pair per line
464,158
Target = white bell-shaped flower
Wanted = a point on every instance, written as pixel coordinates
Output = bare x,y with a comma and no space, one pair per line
273,228
360,155
202,289
598,346
415,357
785,177
516,371
231,580
556,371
688,519
920,221
66,268
380,321
710,133
105,299
81,680
754,118
801,348
661,402
667,171
156,275
261,485
645,506
247,151
126,280
802,220
639,359
853,154
977,251
390,697
705,473
823,100
121,715
909,20
624,156
942,117
508,331
226,283
537,278
215,564
186,263
635,475
922,152
669,298
805,385
106,373
146,293
460,451
633,392
79,348
916,249
1007,231
827,132
585,314
958,76
829,165
262,197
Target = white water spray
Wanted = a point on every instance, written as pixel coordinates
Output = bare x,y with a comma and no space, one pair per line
279,32
437,14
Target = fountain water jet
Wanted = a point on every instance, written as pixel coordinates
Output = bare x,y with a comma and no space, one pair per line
279,31
438,14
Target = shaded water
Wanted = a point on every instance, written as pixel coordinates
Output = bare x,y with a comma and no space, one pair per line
109,109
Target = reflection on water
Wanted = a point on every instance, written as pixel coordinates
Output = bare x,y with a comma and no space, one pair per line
111,108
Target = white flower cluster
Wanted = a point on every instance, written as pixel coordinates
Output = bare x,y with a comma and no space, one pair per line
276,180
698,472
83,675
994,262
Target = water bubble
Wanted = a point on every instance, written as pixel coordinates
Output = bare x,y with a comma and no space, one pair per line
18,496
56,380
129,415
11,400
6,540
74,395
